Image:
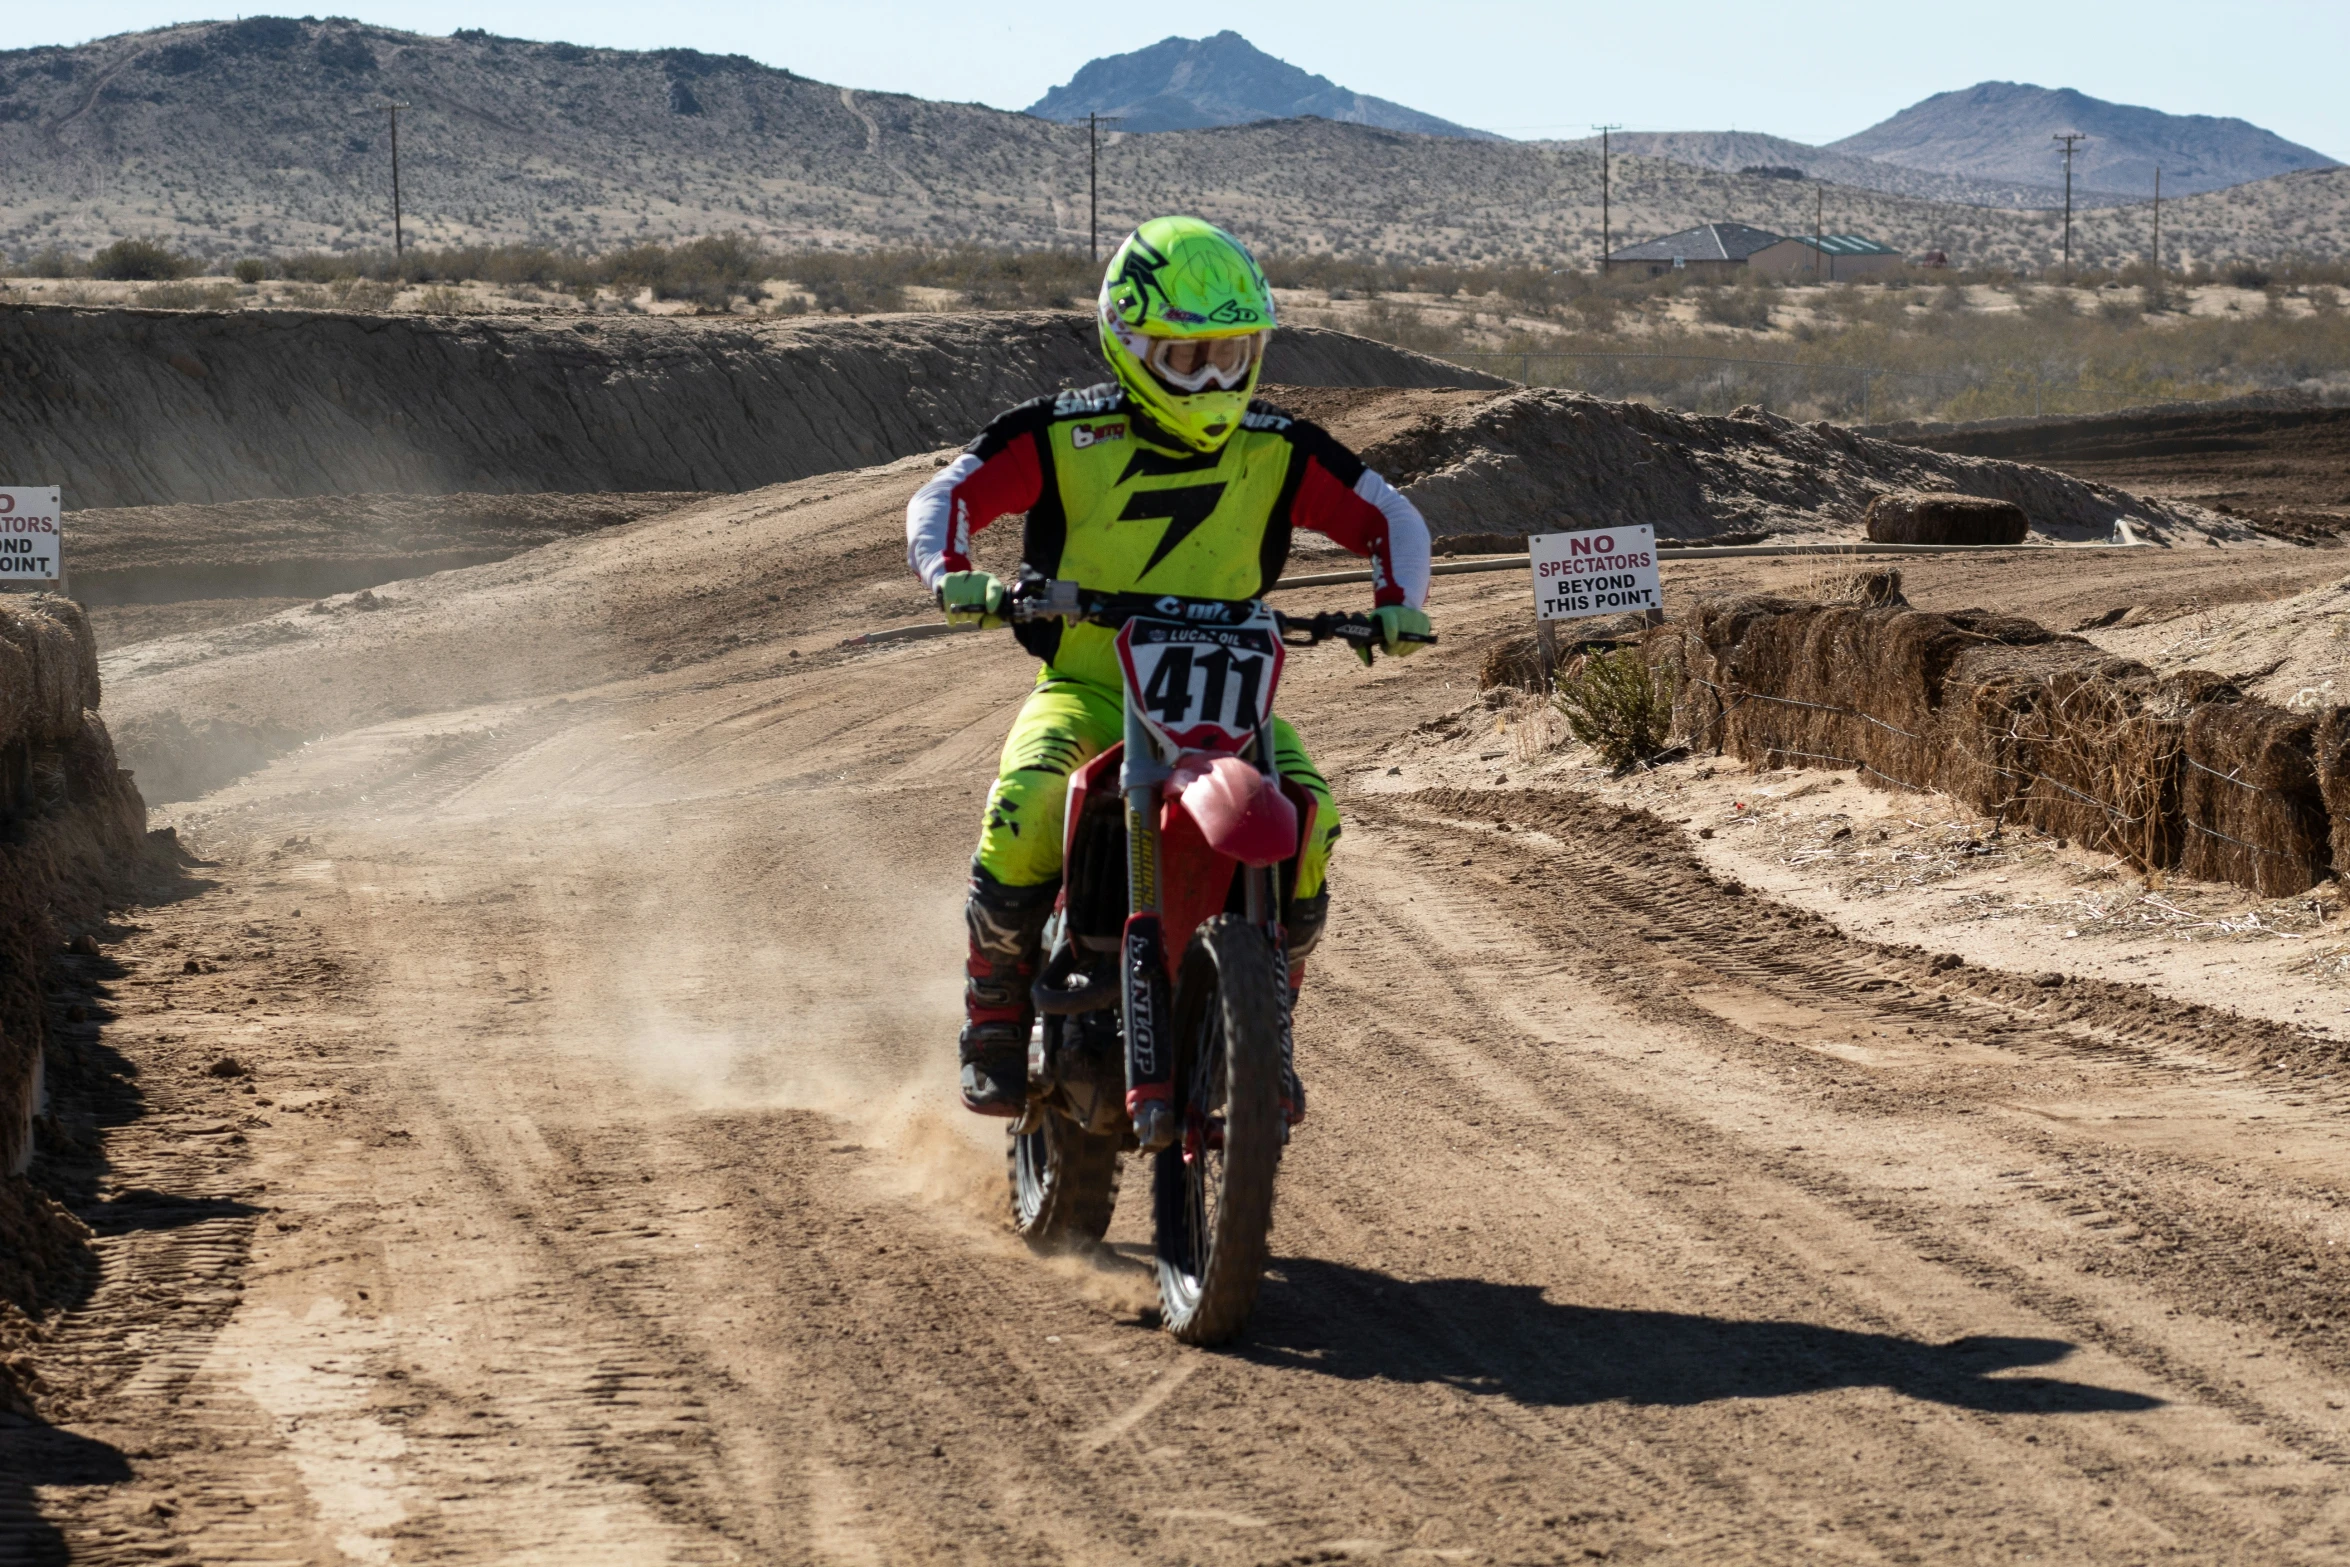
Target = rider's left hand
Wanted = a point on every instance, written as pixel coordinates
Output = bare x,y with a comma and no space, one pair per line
1395,622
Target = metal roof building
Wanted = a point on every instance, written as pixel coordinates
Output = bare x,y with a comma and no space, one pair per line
1827,258
1707,247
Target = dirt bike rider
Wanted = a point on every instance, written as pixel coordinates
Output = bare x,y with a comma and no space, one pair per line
1171,479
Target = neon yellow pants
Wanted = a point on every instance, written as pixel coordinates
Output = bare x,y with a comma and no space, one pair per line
1064,724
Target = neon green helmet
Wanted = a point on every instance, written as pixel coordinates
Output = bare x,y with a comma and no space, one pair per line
1185,313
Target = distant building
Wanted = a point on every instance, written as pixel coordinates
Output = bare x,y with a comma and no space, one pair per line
1710,249
1831,258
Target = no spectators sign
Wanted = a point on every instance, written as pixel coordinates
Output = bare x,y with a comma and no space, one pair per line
31,531
1605,572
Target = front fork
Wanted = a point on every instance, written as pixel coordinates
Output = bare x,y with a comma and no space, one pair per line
1150,1064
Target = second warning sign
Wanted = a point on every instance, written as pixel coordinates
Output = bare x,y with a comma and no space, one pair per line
1604,572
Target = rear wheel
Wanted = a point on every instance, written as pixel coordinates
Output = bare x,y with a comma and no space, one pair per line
1212,1191
1064,1184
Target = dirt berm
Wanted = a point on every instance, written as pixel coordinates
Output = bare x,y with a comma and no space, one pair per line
72,828
1538,460
2278,462
146,408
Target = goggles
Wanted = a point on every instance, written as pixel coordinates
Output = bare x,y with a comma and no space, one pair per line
1193,364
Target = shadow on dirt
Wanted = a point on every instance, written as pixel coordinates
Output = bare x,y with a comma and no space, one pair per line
1507,1340
32,1455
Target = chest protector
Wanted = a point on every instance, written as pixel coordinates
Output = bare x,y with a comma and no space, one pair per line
1119,515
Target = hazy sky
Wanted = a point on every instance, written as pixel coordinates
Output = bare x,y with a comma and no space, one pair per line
1812,72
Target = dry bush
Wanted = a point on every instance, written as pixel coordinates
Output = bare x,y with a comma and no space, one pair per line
139,261
1617,704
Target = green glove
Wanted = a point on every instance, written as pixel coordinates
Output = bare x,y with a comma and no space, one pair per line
1397,622
972,598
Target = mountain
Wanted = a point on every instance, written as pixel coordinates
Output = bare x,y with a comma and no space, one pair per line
2003,131
1182,84
1733,151
267,135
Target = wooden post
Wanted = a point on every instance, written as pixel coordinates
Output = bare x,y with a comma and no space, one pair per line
1546,650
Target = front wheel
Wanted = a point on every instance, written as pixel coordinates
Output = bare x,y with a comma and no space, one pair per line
1064,1185
1212,1190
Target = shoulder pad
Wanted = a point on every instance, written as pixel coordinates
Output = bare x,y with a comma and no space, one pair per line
1008,426
1306,436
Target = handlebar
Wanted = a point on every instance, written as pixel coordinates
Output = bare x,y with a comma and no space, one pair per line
1041,598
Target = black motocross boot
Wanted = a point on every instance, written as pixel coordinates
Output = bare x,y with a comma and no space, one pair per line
1308,917
1007,927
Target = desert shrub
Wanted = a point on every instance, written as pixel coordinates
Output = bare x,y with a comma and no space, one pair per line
54,263
442,300
252,269
139,261
2243,275
1618,705
189,296
318,266
1739,307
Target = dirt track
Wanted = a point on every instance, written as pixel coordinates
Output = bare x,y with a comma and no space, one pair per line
592,1192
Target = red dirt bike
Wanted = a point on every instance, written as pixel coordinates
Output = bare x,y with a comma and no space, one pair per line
1163,1003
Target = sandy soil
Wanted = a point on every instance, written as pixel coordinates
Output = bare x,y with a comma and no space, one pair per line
588,1187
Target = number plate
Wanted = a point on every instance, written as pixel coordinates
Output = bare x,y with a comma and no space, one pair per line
1202,688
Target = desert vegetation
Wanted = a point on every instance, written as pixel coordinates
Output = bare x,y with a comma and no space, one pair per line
1923,343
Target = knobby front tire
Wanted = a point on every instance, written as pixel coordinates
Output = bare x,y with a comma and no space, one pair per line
1213,1213
1064,1185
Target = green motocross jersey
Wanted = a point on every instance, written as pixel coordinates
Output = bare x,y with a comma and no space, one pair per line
1115,512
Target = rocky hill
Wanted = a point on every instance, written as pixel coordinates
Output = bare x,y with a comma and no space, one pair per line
266,134
1181,84
2003,131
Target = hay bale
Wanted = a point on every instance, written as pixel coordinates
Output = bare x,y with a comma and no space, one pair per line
43,701
2331,745
1925,517
2249,798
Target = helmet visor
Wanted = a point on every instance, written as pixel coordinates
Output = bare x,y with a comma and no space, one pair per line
1194,364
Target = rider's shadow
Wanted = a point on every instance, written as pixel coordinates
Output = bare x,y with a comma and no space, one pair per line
1505,1339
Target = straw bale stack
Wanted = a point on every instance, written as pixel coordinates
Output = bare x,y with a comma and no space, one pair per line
2041,728
2249,797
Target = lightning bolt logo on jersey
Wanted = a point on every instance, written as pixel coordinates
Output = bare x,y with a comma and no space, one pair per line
1112,506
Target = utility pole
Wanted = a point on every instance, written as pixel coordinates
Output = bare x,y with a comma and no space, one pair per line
1819,225
1093,169
1604,246
2068,138
2155,288
398,241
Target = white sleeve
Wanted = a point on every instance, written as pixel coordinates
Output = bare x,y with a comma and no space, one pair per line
932,528
1407,536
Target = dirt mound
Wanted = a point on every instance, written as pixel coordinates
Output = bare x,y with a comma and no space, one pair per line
2293,651
1542,460
2275,461
145,408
